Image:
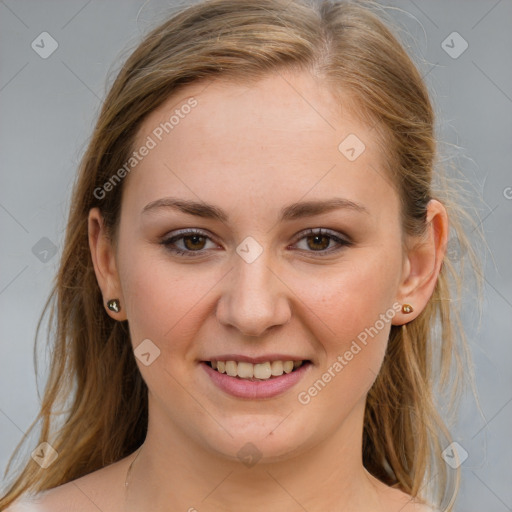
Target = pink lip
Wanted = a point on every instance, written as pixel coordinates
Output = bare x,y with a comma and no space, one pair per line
242,388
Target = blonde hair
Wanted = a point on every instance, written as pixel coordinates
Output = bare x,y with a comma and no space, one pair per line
93,369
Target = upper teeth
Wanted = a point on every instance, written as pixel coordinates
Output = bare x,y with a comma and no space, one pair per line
258,371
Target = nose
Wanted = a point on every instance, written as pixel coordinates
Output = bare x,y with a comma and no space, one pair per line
254,298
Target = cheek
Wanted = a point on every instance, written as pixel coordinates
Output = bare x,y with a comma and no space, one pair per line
164,299
357,304
352,297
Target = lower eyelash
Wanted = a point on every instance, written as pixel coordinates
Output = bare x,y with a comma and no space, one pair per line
181,252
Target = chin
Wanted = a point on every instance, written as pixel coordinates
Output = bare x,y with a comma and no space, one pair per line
266,438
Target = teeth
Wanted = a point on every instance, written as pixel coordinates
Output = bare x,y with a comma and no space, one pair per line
245,370
288,366
277,368
261,371
231,368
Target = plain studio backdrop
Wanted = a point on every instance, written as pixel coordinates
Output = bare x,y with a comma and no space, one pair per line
50,93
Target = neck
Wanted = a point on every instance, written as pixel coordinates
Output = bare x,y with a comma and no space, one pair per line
173,471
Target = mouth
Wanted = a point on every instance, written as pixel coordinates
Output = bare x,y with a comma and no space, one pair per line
256,381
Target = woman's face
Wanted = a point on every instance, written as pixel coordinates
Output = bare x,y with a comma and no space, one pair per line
268,160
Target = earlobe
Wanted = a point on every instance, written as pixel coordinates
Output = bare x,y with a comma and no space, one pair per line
105,267
423,264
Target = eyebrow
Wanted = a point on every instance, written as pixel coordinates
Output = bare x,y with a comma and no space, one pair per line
288,213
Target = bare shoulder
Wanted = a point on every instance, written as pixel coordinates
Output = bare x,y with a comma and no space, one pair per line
100,490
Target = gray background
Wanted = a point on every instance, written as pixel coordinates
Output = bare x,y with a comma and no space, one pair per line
48,107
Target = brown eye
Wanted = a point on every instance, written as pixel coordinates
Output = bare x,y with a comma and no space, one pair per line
187,243
194,242
318,242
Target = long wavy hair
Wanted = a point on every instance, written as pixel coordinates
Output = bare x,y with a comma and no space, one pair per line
94,385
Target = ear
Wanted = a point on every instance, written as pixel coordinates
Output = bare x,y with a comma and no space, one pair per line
422,264
104,261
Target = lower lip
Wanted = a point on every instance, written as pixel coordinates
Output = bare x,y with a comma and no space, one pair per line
242,388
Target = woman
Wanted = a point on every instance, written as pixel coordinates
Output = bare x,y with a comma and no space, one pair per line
254,283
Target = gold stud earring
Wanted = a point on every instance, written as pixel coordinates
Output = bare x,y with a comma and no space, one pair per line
407,308
114,305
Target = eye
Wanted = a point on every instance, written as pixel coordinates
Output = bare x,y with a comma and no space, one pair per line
193,242
319,240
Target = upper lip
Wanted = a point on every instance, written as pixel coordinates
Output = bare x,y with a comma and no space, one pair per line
255,360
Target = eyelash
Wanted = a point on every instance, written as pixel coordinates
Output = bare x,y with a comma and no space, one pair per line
343,242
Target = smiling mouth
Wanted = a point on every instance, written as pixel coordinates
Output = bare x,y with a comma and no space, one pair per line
256,372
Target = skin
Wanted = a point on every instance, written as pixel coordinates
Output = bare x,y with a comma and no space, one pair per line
252,150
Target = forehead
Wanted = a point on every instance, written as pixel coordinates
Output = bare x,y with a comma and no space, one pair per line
285,133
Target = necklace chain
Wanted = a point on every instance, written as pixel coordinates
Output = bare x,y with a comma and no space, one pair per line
130,467
128,476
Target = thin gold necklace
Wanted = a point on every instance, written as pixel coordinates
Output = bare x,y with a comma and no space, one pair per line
128,474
